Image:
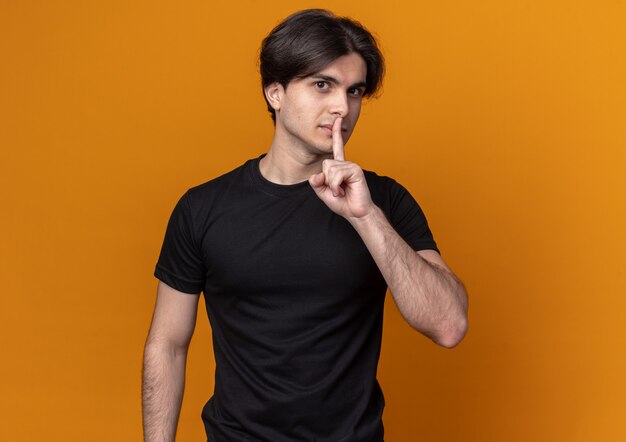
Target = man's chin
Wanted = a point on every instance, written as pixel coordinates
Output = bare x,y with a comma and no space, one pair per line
321,148
326,150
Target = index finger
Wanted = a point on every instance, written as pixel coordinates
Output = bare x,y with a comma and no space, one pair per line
337,140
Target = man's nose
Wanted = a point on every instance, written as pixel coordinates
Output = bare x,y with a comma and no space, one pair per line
339,105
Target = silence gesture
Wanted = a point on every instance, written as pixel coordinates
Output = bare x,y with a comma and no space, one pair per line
341,184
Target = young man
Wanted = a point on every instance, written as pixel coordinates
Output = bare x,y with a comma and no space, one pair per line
294,252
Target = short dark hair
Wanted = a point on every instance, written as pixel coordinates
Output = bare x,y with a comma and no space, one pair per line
307,41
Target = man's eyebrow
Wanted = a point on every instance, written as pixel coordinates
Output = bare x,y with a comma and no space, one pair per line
335,81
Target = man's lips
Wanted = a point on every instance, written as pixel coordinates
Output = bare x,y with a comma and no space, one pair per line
329,128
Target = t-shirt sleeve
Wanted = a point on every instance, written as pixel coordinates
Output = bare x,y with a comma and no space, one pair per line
180,263
406,216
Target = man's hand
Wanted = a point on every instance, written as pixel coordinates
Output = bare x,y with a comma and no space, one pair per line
429,296
341,184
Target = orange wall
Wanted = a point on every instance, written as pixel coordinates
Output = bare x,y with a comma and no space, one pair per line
506,120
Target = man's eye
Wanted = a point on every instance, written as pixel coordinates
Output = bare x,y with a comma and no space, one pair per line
321,84
356,92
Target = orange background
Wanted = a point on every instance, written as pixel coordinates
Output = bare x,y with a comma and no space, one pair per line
506,120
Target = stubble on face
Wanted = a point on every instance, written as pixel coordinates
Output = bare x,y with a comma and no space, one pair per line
310,106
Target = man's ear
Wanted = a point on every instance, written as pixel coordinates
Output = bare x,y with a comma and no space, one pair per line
274,94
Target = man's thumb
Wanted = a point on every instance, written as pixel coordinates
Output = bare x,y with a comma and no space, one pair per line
317,181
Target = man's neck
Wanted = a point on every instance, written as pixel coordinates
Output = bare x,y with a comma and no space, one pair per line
282,165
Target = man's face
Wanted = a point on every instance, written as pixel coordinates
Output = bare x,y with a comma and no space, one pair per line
310,105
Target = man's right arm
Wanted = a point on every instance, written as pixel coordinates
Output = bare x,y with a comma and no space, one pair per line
165,357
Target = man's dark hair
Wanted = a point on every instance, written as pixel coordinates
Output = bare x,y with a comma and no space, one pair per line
307,41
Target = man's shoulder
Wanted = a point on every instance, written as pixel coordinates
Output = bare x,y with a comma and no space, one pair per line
221,182
380,185
375,178
388,193
205,197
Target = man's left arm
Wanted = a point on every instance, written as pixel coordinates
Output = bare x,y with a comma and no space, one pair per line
429,296
427,293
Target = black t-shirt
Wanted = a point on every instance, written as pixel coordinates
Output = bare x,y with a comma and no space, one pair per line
295,303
